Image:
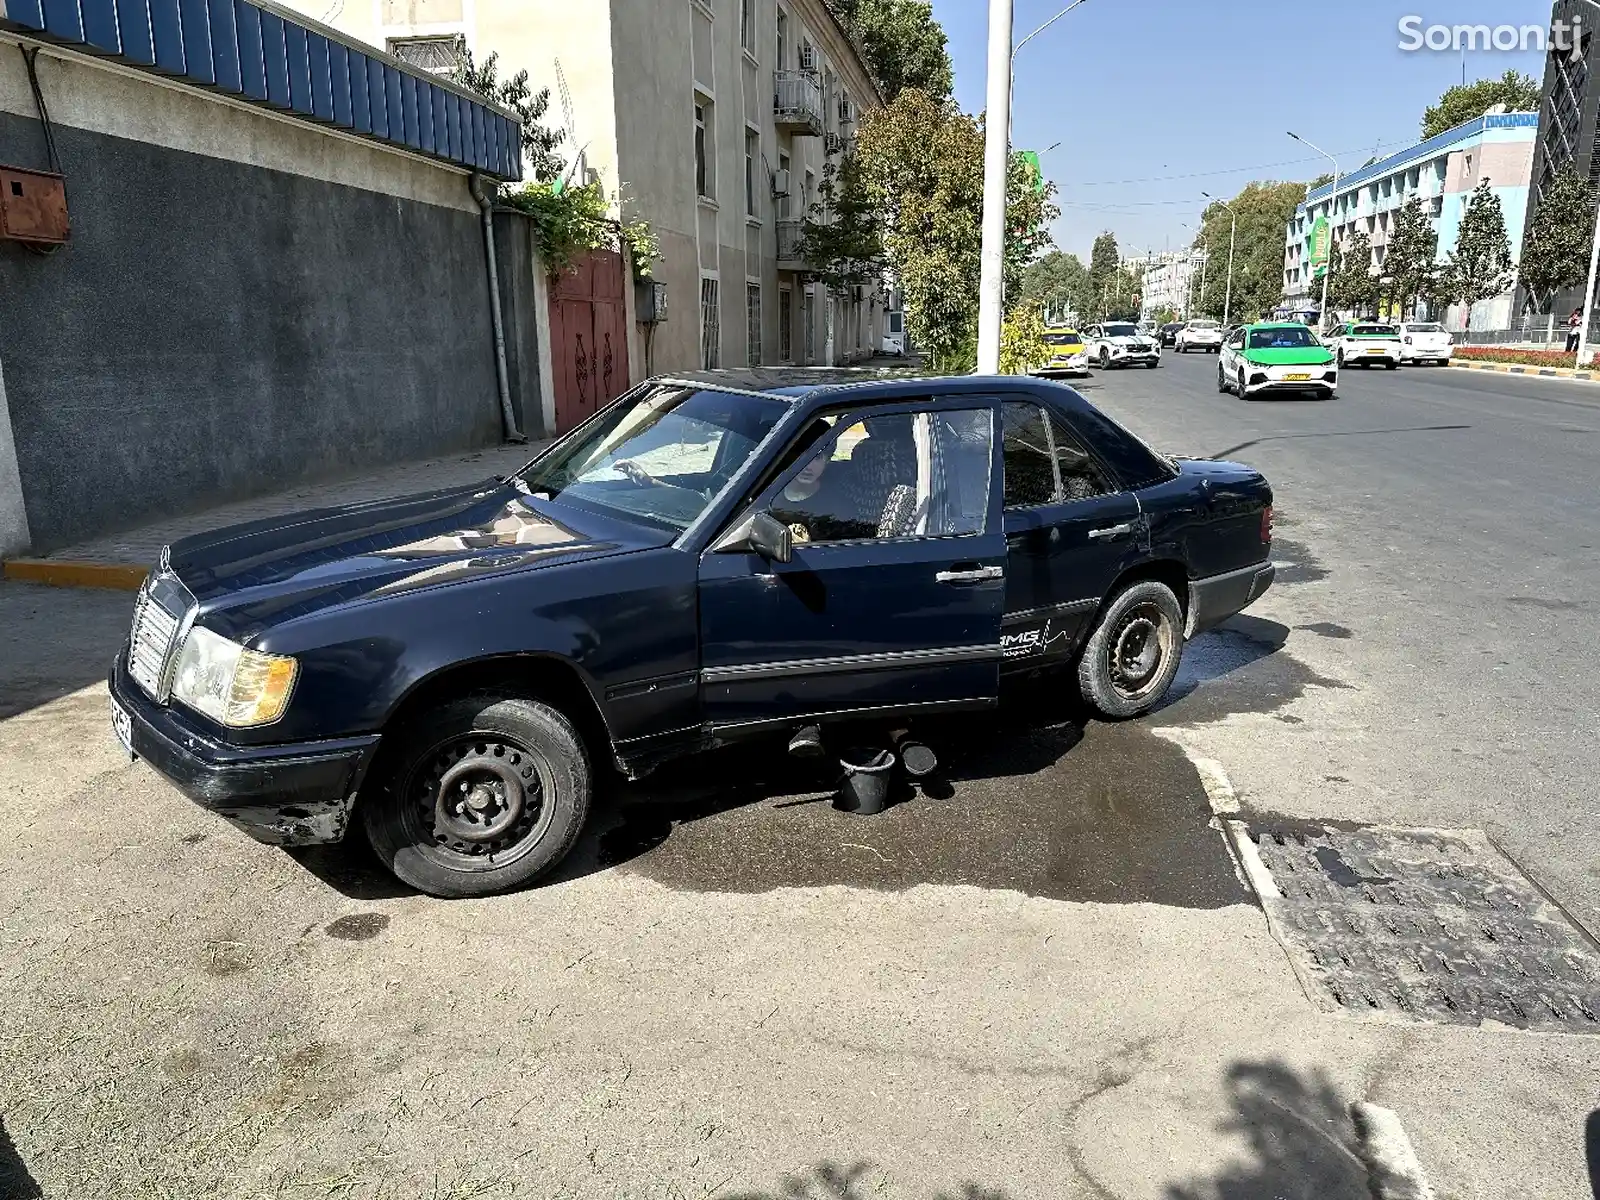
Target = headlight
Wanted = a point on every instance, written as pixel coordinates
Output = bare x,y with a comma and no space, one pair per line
231,685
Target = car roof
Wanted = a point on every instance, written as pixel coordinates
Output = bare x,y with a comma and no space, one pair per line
783,381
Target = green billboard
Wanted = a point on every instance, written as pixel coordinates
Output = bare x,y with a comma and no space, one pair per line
1319,245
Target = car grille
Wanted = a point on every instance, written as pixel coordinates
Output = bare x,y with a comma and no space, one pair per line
150,644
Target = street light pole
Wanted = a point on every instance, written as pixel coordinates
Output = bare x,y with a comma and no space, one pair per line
996,167
1327,267
996,161
1233,230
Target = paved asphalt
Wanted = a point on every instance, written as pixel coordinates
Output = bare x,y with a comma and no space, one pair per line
1443,528
1043,980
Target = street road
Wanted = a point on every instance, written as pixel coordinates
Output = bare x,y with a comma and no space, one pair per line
1444,531
1045,979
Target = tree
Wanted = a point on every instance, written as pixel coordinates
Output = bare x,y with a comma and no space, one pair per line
904,47
1263,209
1022,344
1556,255
843,237
916,191
1464,102
1325,178
1058,283
1480,265
1105,263
1410,260
1351,284
538,143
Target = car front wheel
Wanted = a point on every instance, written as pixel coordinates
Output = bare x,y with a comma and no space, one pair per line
485,793
1222,379
1132,657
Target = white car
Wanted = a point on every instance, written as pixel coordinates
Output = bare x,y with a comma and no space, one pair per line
1199,335
1120,344
1425,341
1365,344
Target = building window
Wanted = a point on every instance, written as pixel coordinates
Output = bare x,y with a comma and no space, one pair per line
704,180
752,296
752,171
747,25
440,55
1437,207
785,325
710,325
783,41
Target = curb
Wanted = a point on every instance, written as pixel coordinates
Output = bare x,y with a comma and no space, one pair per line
1588,376
66,573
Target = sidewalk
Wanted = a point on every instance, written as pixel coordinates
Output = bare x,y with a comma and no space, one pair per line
122,560
1588,374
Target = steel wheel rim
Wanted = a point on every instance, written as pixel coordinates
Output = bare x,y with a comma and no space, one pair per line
478,801
1138,651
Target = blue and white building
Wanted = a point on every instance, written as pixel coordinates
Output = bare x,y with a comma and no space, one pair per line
1443,171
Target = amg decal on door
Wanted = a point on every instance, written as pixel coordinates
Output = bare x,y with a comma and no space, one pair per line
1022,643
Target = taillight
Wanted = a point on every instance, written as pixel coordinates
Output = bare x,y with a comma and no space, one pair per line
1266,525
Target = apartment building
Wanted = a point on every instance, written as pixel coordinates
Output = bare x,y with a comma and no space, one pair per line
1171,282
1443,171
711,119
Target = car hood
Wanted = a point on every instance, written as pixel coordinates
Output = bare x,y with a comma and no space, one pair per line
1300,356
1124,340
314,559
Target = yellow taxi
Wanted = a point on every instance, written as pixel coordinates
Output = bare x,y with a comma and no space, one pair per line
1067,353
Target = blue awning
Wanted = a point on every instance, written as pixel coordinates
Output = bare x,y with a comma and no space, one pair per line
269,56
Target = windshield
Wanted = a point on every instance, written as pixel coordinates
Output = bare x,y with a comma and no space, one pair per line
1291,337
662,458
1373,331
1066,337
1425,328
1121,331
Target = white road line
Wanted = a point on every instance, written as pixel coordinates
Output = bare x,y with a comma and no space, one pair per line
1393,1171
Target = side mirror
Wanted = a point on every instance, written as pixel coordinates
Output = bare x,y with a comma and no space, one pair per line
761,533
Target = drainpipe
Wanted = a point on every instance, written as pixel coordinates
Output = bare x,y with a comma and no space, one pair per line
508,416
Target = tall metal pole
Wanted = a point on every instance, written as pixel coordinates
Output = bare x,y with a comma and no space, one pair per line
1327,267
1588,295
1233,230
996,160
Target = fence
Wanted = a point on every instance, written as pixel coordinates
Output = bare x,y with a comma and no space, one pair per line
1535,329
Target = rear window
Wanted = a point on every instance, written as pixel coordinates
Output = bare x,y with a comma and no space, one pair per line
1374,331
1204,325
1425,327
1290,337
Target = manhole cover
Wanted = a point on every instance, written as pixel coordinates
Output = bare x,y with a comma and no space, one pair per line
1422,924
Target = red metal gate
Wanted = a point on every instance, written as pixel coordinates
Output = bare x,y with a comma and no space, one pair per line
589,336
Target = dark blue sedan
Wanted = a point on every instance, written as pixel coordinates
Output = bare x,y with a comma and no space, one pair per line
710,558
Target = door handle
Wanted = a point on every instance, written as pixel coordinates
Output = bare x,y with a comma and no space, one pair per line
1112,531
974,575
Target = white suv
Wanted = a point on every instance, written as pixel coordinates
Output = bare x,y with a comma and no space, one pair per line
1199,335
1425,341
1120,344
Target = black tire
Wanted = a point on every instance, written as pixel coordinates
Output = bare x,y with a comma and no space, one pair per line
1154,365
496,745
1338,356
1222,380
1243,395
1105,359
1133,654
1391,366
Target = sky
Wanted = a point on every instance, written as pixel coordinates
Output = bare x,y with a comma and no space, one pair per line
1155,101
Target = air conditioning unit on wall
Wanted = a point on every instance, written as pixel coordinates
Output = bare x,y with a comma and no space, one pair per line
780,183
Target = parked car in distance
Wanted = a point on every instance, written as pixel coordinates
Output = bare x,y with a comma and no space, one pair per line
1168,333
732,555
1275,356
1366,344
1198,334
1424,342
1067,353
1120,344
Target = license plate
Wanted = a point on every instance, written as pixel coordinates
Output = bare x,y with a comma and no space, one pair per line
122,726
1377,352
1297,377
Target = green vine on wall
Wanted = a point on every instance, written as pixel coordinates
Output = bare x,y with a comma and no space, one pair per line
571,221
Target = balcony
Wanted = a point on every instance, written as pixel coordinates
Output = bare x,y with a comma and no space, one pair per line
790,236
797,104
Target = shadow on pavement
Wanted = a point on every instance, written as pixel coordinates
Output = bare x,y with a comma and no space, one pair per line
1591,1150
1302,1142
56,641
15,1181
833,1181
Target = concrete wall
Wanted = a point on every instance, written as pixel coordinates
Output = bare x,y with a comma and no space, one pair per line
246,303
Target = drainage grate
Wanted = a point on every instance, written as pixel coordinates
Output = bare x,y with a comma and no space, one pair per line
1420,924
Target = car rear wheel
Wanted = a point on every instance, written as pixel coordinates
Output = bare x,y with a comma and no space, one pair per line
1132,657
485,793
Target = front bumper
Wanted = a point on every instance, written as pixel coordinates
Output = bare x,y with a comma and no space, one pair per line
1217,598
1077,364
1121,358
289,795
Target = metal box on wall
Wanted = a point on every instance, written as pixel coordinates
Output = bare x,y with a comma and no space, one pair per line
33,207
